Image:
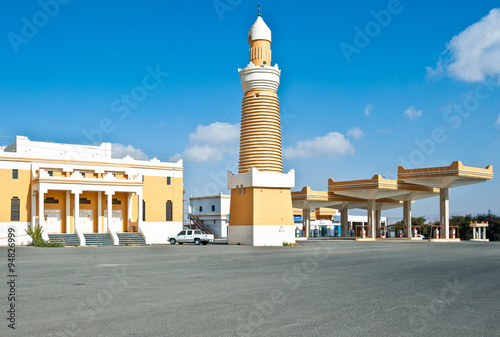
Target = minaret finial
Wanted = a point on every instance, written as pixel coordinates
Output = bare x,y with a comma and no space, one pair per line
259,10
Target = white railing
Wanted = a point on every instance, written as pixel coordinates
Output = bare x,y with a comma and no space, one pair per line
80,236
77,175
116,240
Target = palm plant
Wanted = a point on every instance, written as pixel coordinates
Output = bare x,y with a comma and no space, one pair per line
35,233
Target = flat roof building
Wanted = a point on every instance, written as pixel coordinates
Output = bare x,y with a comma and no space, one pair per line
82,189
213,212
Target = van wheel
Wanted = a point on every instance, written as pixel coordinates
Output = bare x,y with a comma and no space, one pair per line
197,242
172,241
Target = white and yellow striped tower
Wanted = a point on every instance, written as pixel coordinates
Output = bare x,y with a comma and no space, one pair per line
261,204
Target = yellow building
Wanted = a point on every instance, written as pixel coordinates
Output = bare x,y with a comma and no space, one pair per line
261,202
80,190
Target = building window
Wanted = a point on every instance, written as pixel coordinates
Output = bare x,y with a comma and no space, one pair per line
15,174
51,173
84,201
168,180
213,208
143,210
50,200
15,206
201,208
169,210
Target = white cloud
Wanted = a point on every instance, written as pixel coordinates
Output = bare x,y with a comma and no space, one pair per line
331,145
413,113
204,153
435,72
474,54
209,143
175,158
368,109
119,151
355,132
497,123
215,134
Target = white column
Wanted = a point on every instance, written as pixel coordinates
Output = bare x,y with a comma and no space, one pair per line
129,211
474,233
68,212
99,212
377,222
33,209
484,233
480,229
139,215
306,220
444,203
371,219
344,217
407,217
76,218
41,211
76,210
109,195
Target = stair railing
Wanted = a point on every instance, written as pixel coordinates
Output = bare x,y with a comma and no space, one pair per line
200,225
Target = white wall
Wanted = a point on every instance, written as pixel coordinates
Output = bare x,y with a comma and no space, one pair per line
158,232
22,239
221,205
261,235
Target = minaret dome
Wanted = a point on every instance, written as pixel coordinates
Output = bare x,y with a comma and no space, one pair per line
259,39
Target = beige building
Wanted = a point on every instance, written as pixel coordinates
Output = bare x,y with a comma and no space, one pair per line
81,190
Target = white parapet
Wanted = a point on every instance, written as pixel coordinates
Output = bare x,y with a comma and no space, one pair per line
256,178
260,78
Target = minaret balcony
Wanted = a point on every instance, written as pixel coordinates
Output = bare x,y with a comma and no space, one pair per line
260,78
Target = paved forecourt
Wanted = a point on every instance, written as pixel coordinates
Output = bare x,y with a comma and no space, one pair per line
316,289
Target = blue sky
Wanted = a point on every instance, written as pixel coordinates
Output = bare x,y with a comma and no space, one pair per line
77,75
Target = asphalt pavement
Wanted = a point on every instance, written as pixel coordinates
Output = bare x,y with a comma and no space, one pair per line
330,288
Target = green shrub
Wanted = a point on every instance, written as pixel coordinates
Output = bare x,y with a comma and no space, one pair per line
35,233
43,243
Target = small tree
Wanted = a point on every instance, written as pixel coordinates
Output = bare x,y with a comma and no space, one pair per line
35,233
493,230
463,223
418,221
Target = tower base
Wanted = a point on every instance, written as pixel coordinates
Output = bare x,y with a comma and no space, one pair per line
261,212
261,235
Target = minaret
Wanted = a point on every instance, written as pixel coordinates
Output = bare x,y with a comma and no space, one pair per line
261,203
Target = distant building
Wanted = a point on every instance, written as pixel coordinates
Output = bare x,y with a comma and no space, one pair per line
80,189
213,211
326,222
